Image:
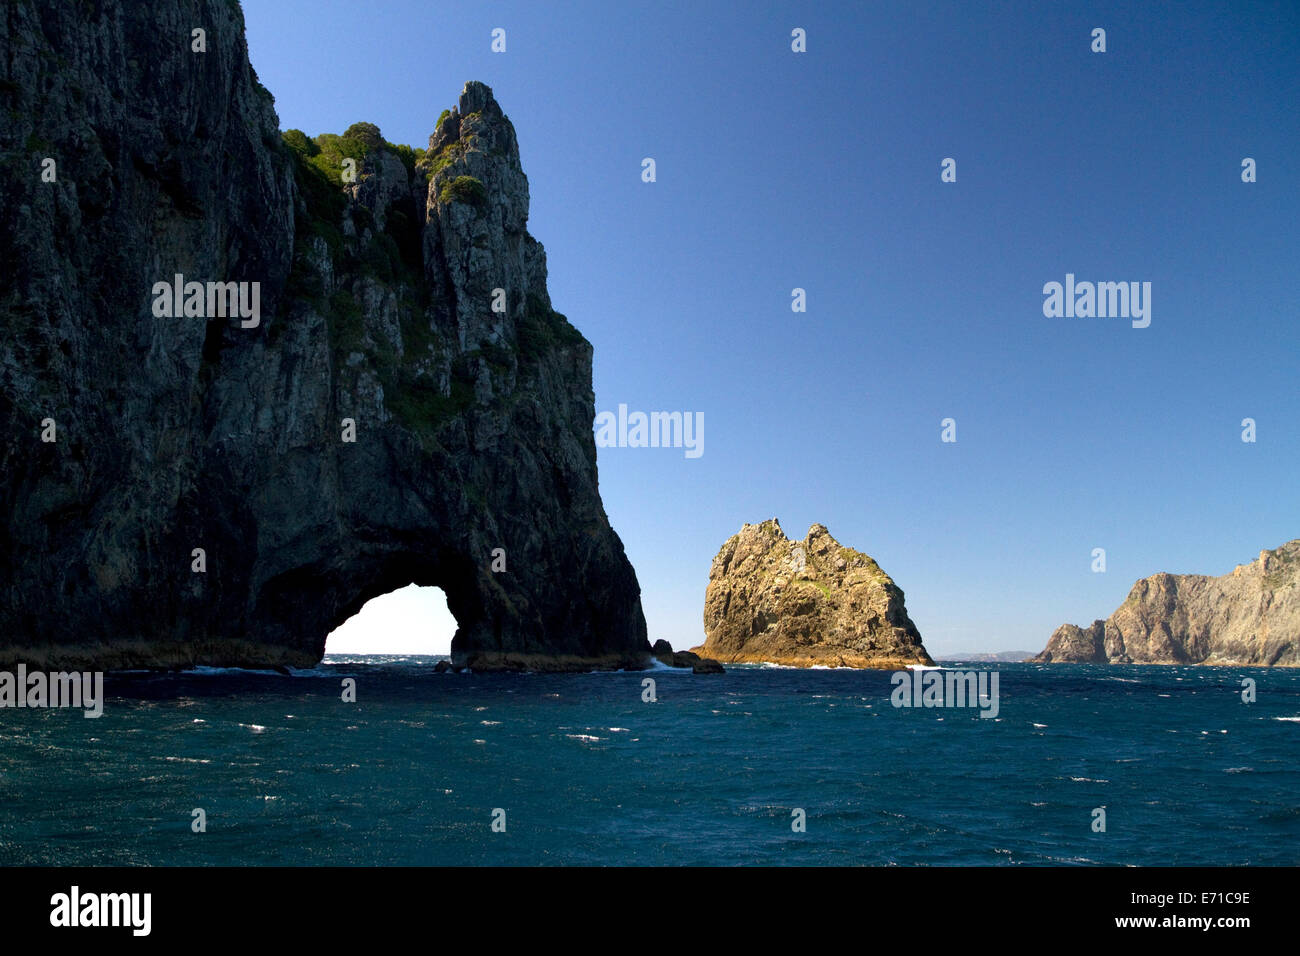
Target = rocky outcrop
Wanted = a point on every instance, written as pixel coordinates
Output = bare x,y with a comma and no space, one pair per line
1248,617
1081,645
697,664
804,603
226,490
664,653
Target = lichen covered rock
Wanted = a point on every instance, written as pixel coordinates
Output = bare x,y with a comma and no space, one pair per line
804,603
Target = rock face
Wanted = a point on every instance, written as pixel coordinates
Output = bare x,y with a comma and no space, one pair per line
1248,617
472,427
804,603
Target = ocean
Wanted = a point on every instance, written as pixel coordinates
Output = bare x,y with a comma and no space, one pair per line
529,769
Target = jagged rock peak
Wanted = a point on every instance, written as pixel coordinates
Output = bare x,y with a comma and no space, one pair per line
476,115
804,603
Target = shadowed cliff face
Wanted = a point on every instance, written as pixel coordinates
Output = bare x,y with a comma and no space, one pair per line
473,427
1248,617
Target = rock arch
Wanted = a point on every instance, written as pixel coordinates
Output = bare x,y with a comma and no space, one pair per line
473,428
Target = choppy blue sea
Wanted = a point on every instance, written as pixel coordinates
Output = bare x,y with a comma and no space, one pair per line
712,772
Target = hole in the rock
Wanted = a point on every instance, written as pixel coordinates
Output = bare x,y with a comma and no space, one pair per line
410,620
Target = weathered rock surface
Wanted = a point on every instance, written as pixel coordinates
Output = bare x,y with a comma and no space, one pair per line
804,603
473,427
1248,617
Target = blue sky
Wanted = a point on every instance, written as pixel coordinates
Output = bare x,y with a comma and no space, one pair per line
821,170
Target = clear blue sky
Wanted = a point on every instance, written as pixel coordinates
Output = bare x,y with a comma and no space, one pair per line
821,170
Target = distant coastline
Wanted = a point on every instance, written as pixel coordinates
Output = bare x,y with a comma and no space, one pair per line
1005,657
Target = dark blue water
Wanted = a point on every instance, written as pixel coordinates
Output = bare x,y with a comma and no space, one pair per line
588,773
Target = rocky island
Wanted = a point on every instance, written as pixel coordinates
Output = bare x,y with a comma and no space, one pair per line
804,604
379,393
1250,617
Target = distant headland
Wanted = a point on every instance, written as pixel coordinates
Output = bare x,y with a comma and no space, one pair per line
1249,617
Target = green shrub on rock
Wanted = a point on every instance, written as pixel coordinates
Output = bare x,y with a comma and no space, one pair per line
297,140
464,189
367,133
